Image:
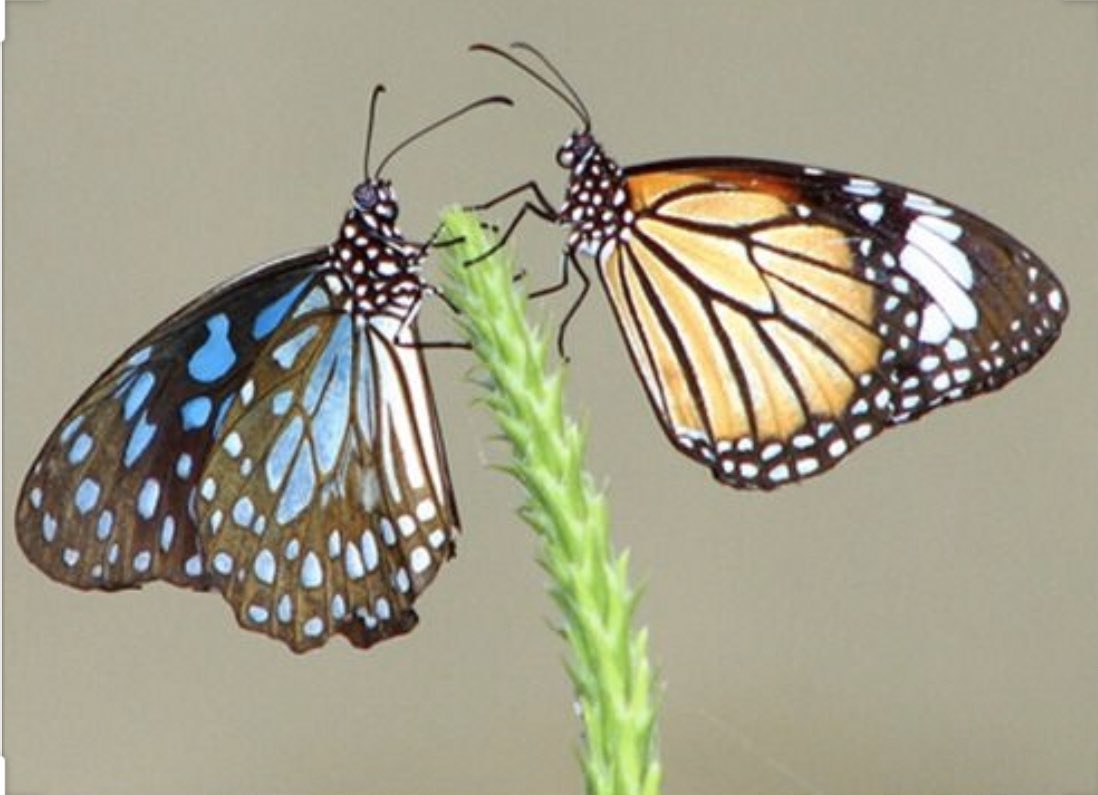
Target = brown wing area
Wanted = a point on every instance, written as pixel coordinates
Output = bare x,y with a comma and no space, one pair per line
752,328
988,310
326,508
88,520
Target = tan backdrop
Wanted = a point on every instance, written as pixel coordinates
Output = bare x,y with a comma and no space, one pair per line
921,620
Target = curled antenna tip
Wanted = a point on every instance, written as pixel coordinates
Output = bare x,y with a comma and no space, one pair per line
379,89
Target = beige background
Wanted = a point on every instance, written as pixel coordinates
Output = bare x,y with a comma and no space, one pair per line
924,619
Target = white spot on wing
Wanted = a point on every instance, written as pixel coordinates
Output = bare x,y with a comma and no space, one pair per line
942,286
369,550
311,574
426,511
87,495
935,327
936,238
285,608
148,497
420,560
223,563
49,527
352,562
871,211
265,567
167,533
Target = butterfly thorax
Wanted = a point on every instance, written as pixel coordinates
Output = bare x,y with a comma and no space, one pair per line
596,204
379,268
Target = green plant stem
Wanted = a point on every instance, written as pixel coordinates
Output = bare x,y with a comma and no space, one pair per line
609,668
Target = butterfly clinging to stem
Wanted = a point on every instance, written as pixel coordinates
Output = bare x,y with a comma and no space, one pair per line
781,315
275,439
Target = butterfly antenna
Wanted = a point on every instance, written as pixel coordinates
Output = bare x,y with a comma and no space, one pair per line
530,48
577,108
379,89
492,100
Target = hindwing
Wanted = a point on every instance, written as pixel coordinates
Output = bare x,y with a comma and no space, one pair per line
326,505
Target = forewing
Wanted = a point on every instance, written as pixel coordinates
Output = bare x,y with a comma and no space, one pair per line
780,316
107,501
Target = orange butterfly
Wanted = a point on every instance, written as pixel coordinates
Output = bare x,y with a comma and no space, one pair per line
780,315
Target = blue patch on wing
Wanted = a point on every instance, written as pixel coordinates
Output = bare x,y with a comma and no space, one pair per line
80,449
138,391
299,488
140,437
140,357
287,352
222,410
216,356
87,494
272,314
328,395
282,452
281,402
72,427
196,412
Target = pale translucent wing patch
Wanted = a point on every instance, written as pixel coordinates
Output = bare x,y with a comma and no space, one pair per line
420,523
780,316
312,512
106,503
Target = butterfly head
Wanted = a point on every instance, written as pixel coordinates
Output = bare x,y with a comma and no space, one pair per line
376,202
574,152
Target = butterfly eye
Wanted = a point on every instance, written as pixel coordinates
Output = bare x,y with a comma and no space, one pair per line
565,155
577,147
365,197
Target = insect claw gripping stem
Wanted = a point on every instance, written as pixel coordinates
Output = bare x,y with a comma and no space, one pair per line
614,683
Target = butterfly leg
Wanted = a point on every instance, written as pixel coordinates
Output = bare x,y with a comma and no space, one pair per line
430,289
539,206
568,262
530,185
437,345
433,241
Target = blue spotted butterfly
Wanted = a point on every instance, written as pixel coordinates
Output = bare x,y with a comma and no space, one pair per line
275,439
